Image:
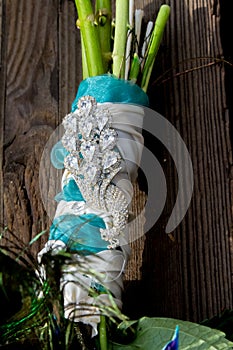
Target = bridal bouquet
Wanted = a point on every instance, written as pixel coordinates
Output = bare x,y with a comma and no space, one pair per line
100,152
81,266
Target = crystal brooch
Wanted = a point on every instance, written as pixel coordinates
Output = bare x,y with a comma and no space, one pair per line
94,160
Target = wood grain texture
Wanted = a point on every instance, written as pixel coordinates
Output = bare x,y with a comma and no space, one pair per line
70,62
31,110
2,103
195,271
191,277
1,11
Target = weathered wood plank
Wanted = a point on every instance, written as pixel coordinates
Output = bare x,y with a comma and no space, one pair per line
2,104
31,110
70,62
195,271
1,24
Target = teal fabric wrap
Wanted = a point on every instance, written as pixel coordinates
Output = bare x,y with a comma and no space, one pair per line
57,155
80,233
107,88
69,193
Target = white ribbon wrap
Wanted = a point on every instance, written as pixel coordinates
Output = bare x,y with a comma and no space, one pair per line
108,265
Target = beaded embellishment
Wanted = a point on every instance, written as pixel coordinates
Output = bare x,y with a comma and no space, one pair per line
93,161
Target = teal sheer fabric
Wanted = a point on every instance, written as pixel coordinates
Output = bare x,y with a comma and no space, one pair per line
107,88
79,233
69,193
58,155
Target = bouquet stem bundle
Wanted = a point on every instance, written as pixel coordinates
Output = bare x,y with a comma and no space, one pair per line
103,54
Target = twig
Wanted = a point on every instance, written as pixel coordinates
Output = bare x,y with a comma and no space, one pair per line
129,38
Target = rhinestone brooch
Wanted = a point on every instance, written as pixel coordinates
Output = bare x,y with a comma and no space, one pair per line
93,161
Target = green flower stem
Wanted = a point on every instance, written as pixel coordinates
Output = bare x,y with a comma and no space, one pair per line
84,60
135,68
103,12
103,333
154,44
121,28
89,33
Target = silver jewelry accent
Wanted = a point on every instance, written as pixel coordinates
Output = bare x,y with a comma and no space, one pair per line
93,161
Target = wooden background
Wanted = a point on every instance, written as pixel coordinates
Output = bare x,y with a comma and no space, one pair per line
40,70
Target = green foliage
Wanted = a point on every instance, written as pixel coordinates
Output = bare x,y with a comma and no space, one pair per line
154,333
32,300
222,322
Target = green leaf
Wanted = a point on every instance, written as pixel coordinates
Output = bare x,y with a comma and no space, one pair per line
223,322
154,333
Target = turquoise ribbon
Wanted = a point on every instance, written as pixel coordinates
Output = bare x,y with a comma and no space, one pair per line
80,233
69,193
107,88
